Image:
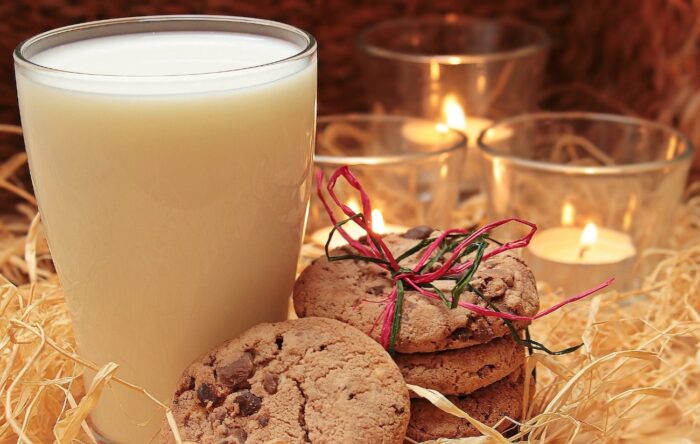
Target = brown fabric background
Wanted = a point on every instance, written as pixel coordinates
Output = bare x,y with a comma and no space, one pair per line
626,56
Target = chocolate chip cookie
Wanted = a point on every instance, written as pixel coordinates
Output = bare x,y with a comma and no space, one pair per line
308,380
488,405
355,292
462,371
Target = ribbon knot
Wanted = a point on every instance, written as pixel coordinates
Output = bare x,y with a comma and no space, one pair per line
445,257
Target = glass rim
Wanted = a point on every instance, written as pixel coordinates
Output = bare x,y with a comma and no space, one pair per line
625,169
22,61
460,144
542,42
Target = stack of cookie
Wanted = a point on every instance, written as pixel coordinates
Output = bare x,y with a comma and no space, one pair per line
470,358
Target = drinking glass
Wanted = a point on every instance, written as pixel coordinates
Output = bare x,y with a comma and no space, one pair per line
171,157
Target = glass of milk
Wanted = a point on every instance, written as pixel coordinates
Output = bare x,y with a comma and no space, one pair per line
171,157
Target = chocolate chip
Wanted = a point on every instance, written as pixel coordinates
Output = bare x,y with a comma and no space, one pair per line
248,403
206,394
279,340
419,232
377,290
270,382
461,334
263,421
235,374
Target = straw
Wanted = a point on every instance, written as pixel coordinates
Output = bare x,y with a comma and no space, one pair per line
634,380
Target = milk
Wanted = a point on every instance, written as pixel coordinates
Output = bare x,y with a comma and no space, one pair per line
174,204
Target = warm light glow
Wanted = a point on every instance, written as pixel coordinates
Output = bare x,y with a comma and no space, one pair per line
378,225
453,114
627,218
589,235
481,83
498,171
442,128
354,206
672,149
567,214
434,71
443,172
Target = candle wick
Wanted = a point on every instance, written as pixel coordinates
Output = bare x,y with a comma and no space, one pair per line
582,251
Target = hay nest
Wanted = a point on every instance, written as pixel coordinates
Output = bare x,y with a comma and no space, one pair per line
635,380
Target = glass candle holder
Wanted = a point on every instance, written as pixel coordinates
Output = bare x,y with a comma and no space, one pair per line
409,168
602,189
463,71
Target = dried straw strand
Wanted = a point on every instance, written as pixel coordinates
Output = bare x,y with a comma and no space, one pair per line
636,379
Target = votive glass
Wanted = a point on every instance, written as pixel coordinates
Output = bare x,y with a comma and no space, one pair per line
460,70
602,188
409,168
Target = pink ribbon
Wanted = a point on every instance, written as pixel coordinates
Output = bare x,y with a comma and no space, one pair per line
377,249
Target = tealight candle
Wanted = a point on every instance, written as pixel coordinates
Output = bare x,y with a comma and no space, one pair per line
578,258
454,117
458,70
566,169
412,183
425,132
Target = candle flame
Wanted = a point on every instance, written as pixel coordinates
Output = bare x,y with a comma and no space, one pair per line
567,214
442,128
453,113
589,235
378,225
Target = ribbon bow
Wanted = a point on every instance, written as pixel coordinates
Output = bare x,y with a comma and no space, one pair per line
456,242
